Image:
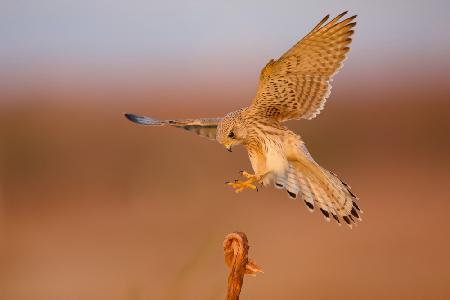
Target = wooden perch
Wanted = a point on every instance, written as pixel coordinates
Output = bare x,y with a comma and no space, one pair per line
235,247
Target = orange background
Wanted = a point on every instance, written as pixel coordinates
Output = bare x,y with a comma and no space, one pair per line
95,207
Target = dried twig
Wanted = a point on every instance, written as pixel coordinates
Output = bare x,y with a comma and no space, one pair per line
235,247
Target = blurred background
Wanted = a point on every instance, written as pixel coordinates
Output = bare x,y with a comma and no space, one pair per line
95,207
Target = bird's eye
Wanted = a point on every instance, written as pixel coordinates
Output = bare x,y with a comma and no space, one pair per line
231,134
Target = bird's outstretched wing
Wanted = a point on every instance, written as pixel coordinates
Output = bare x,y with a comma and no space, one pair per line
298,83
203,127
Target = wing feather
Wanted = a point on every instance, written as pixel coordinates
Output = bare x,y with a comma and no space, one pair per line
299,82
206,127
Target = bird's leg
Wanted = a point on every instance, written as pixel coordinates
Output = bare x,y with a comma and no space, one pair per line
239,186
247,174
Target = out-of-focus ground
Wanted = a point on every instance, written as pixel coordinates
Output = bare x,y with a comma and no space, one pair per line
95,207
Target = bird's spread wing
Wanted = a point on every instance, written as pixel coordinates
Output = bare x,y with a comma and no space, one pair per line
203,127
298,83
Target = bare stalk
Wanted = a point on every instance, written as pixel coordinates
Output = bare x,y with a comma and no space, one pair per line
235,247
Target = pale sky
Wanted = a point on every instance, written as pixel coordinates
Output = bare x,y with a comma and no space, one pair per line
101,34
104,30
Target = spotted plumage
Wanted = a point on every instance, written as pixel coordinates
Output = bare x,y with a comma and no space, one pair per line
294,86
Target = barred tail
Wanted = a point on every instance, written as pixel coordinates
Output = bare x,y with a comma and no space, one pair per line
320,188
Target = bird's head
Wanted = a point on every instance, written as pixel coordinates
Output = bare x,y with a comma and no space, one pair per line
231,130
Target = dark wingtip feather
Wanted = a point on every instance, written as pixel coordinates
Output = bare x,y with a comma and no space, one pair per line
133,118
356,206
351,193
142,120
325,213
292,195
346,219
321,23
342,14
309,205
279,185
128,116
336,218
354,213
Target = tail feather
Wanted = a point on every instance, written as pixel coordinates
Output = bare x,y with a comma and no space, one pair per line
306,192
338,197
321,198
295,184
292,183
318,187
281,182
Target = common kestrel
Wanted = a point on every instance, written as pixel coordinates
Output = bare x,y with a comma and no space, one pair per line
294,86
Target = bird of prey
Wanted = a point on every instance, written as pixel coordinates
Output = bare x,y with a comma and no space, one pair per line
294,86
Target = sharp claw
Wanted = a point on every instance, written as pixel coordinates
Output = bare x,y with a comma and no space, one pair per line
240,186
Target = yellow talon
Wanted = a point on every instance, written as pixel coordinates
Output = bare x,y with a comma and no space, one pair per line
246,174
239,186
